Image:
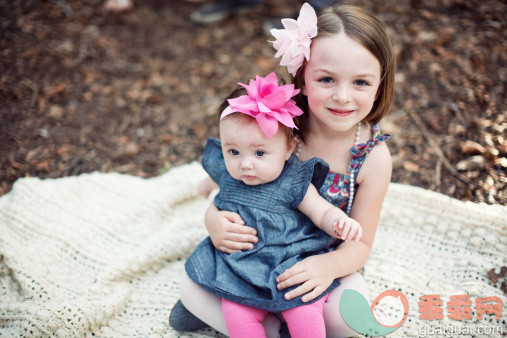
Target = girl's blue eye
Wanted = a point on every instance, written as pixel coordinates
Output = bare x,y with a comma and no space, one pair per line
361,83
259,153
234,152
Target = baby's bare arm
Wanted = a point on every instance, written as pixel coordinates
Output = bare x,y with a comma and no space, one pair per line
206,186
329,218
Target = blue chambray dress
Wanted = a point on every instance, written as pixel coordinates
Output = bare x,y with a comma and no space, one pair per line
286,236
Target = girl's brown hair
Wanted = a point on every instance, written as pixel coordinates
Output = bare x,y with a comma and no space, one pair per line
366,29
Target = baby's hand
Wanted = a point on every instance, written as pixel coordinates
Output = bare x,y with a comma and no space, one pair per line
347,229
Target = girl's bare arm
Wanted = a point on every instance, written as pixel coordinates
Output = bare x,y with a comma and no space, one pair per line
316,273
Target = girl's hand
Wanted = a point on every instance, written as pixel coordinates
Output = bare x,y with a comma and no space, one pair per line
347,229
228,232
312,274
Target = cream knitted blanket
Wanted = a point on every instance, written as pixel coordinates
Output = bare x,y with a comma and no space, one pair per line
101,254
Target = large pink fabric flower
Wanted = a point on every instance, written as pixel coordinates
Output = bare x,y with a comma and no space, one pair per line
293,42
268,103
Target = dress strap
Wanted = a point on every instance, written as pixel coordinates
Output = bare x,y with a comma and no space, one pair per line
361,150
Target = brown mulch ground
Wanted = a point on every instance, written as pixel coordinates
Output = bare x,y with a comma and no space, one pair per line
83,89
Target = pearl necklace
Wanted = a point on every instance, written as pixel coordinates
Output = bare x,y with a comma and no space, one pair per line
352,172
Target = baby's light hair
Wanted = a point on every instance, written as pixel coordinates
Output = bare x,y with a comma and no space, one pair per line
371,33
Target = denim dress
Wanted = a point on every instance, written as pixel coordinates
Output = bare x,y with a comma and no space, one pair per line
286,236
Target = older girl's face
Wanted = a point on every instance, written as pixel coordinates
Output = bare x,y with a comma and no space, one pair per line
341,83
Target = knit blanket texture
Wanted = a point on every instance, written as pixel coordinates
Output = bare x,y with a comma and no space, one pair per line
102,254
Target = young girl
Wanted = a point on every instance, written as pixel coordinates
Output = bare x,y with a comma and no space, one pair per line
346,76
266,185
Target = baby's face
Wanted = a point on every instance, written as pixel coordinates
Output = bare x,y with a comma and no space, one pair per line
250,156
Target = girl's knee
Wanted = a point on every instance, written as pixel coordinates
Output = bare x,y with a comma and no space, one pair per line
335,325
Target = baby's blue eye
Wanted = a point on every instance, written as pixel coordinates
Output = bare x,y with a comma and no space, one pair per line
234,152
326,80
259,153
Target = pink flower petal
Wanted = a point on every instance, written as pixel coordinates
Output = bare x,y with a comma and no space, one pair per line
268,102
285,118
292,108
274,100
263,109
293,42
271,79
307,19
268,125
290,24
243,103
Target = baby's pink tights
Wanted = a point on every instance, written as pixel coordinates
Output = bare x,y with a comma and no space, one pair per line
246,321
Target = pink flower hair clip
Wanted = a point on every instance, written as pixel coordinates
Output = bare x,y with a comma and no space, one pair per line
293,42
267,102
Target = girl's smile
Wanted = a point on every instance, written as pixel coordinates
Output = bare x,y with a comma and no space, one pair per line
341,82
340,112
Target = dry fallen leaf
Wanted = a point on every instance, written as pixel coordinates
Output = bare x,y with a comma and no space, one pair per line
166,138
493,276
471,148
471,163
410,166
